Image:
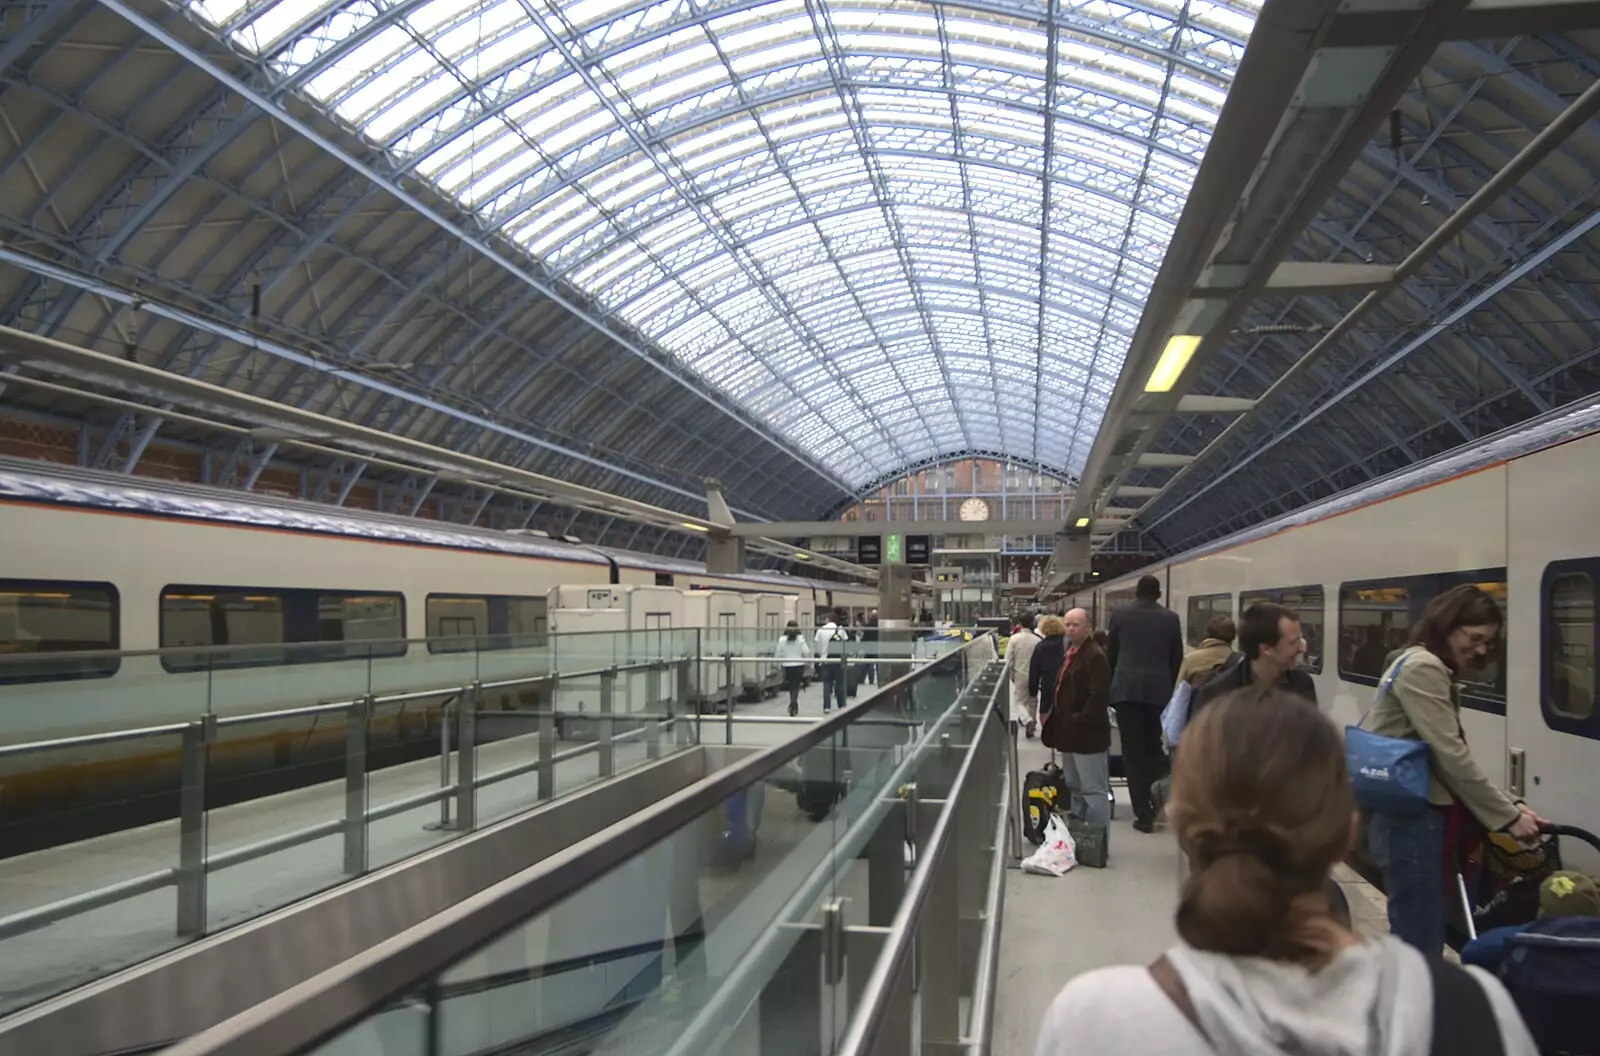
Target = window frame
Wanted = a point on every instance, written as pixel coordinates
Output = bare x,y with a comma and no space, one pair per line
179,659
1276,596
1556,720
1189,620
104,667
1421,589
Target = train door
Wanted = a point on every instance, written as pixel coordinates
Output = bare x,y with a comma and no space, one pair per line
1552,722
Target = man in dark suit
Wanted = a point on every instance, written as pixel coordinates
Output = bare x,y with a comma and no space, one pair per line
1146,651
1079,721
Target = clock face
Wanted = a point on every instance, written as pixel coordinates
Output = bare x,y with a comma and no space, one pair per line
974,510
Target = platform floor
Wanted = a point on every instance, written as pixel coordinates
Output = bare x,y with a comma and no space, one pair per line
1056,928
77,949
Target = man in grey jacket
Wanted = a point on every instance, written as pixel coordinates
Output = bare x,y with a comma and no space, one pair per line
1146,651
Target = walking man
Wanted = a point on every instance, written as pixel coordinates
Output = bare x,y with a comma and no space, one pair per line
1019,657
1146,652
831,639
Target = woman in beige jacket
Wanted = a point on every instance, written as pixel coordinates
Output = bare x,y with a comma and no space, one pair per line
1199,662
1418,700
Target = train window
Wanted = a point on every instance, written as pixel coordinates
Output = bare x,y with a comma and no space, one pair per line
663,579
254,618
360,617
1202,607
41,619
1374,620
1569,647
458,622
1307,601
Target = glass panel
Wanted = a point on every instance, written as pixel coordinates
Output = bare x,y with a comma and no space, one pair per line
77,818
1202,607
39,618
1569,651
1374,621
276,768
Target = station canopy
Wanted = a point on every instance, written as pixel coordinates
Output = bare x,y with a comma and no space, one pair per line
893,231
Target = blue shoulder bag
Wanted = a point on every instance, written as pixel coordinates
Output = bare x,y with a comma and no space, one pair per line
1388,774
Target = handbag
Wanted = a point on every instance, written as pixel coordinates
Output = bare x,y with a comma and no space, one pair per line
1388,774
1175,716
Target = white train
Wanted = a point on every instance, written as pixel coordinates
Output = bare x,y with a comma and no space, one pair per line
285,604
1520,516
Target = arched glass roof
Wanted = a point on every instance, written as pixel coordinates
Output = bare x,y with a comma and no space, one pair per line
893,230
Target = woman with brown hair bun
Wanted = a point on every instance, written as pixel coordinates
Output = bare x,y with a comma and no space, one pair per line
1261,805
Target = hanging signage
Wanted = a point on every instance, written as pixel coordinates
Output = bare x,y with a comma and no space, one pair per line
893,552
919,550
869,549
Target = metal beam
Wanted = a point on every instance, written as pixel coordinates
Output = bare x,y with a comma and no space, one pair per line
1482,20
176,43
1295,277
1193,404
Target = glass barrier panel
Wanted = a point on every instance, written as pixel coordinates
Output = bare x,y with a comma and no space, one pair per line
413,745
81,817
276,775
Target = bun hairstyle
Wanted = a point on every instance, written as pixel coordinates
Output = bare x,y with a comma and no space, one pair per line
1261,804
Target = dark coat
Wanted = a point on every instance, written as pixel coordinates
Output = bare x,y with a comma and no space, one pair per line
1236,674
1044,666
1146,651
1080,721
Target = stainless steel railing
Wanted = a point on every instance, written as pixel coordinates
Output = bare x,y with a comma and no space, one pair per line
195,864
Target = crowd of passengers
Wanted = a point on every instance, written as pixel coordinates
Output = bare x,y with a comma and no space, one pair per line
1258,793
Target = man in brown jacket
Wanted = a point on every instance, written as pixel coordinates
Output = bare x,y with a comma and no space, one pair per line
1079,722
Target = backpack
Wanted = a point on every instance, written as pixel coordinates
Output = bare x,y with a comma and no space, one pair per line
1042,789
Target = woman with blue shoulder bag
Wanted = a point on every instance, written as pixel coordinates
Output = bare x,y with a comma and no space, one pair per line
1410,763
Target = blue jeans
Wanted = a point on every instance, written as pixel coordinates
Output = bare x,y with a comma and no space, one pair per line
1089,777
832,683
1409,848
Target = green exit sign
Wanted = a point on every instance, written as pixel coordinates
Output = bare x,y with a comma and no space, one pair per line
893,553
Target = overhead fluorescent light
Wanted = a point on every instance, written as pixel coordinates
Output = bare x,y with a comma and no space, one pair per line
1083,522
801,557
694,527
1173,359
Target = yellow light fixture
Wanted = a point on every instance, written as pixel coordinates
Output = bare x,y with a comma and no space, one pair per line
802,557
1173,359
1083,522
694,527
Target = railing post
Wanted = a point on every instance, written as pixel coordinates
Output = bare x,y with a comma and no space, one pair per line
728,695
547,744
683,734
607,750
444,822
197,739
652,730
355,785
467,758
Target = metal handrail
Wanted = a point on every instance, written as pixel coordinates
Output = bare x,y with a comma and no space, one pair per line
873,1001
325,707
319,1007
768,948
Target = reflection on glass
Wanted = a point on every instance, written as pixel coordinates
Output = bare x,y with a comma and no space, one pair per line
1569,652
1202,607
1374,621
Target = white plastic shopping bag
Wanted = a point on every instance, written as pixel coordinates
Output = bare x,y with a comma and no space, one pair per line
1056,855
